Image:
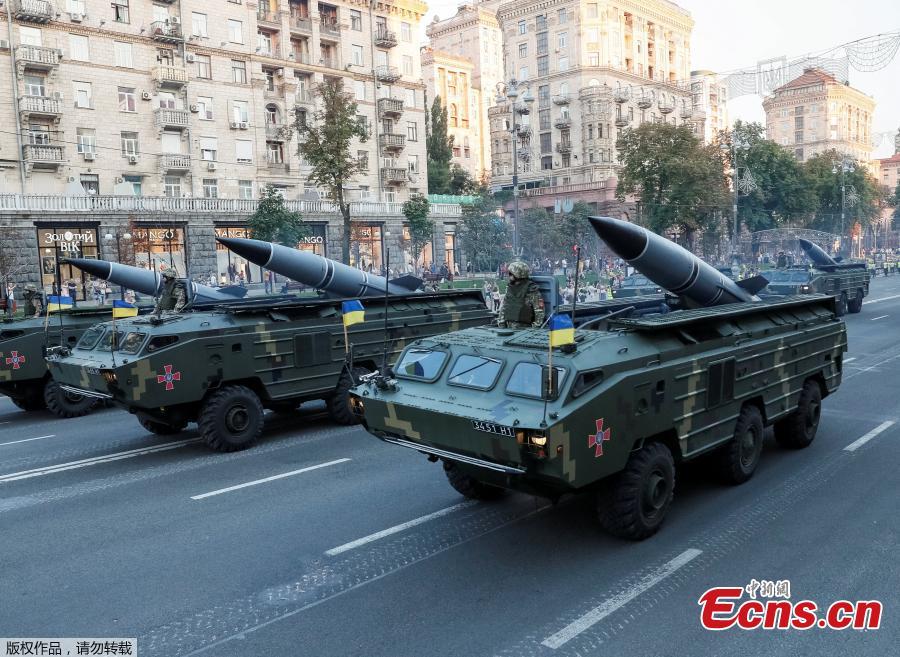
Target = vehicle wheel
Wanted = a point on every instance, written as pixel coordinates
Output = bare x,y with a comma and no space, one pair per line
798,430
66,404
842,305
739,458
468,486
856,305
160,428
231,419
338,404
639,498
33,401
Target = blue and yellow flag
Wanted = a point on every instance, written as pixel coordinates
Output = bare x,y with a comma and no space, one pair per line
57,303
124,309
354,313
561,330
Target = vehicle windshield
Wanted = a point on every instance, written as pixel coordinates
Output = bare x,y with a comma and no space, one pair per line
90,338
800,277
636,281
475,372
778,276
132,342
526,380
107,341
421,364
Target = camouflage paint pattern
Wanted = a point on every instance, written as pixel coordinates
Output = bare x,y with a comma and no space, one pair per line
834,283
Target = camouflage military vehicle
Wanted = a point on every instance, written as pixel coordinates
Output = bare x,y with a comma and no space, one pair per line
620,407
849,285
635,285
24,376
222,368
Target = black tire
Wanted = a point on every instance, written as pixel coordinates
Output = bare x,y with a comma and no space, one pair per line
33,401
636,502
160,428
338,403
231,419
798,429
468,486
856,305
739,458
66,404
841,305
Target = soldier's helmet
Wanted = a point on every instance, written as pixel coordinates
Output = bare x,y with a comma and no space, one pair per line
169,273
30,287
519,270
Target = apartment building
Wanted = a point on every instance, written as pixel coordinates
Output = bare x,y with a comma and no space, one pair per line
188,98
473,35
709,98
595,68
816,112
450,78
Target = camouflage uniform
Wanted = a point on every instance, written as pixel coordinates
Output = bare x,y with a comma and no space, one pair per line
174,296
33,302
522,306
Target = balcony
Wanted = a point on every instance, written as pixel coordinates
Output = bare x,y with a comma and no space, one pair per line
329,26
43,155
564,147
392,142
387,73
666,105
561,99
563,122
621,95
33,11
172,118
621,121
40,106
393,174
687,112
524,155
524,130
275,132
37,57
175,162
166,32
272,18
391,107
384,38
645,101
301,24
171,77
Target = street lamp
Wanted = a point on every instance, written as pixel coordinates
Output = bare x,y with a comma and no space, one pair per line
109,237
745,186
509,91
845,166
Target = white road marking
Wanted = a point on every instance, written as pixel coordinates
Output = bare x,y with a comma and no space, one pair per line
859,442
27,440
879,317
850,360
597,614
267,479
398,528
83,463
895,296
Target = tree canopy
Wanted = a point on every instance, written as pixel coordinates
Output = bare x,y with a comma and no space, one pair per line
484,236
421,226
273,222
439,146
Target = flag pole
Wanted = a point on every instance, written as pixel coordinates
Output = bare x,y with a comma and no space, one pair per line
550,368
346,340
575,293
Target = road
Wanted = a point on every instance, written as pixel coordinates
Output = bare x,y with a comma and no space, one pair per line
323,541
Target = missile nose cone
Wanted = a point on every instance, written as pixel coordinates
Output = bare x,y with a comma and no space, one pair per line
257,252
805,244
98,268
626,239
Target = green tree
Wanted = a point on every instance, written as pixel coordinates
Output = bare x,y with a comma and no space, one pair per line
483,235
537,232
863,198
679,182
461,181
574,228
896,203
421,226
325,143
273,222
439,147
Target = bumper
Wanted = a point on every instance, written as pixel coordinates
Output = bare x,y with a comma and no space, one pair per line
452,456
95,394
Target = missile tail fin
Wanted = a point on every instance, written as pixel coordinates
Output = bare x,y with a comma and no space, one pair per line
753,285
234,290
409,282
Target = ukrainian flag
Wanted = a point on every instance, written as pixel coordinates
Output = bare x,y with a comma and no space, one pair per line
124,309
57,303
561,330
354,313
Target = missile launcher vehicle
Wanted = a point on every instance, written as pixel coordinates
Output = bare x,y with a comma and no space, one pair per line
617,410
634,286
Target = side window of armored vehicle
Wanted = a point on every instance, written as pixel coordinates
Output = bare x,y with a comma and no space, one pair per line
161,341
132,342
8,335
424,364
90,338
475,372
800,277
525,380
584,382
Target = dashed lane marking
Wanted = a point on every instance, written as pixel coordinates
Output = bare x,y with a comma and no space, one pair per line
859,442
597,614
346,547
27,440
879,317
267,479
895,296
850,360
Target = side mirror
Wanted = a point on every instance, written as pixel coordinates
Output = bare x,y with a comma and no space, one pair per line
549,382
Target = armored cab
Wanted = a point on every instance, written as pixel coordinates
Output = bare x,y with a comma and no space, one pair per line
616,410
222,368
636,285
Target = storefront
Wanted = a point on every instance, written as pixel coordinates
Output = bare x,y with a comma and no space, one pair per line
315,240
426,256
230,266
59,242
158,247
451,257
367,247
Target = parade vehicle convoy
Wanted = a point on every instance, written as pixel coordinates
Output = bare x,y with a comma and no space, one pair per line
636,285
619,408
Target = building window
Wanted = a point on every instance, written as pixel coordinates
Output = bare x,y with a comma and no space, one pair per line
83,94
126,99
76,7
542,43
412,133
210,188
34,85
410,101
546,146
563,16
359,89
235,31
120,11
592,10
522,28
204,66
245,189
366,246
270,79
406,32
167,100
562,39
137,184
544,119
362,159
238,71
264,43
523,73
209,149
172,187
274,153
523,50
79,48
240,111
407,65
355,20
543,65
546,163
130,144
413,163
243,150
205,108
123,54
357,55
198,24
87,140
563,63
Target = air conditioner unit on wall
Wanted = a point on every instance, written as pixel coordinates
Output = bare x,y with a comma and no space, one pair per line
234,125
210,166
89,156
244,125
145,95
132,159
76,17
194,108
189,58
174,20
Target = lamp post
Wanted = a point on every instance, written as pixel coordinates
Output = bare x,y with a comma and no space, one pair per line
510,91
844,166
109,237
745,186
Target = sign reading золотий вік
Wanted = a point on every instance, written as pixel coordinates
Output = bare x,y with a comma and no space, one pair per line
67,241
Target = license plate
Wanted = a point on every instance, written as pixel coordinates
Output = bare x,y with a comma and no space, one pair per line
92,370
490,427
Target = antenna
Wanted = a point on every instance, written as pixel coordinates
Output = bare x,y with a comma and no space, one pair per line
387,287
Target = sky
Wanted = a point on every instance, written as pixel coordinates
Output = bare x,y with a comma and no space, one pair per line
730,35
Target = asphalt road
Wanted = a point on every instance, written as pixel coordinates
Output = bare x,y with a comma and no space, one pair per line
362,548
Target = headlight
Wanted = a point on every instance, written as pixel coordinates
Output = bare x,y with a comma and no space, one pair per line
804,288
538,439
357,406
109,376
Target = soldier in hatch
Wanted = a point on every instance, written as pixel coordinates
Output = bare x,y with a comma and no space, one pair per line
174,295
523,306
34,303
